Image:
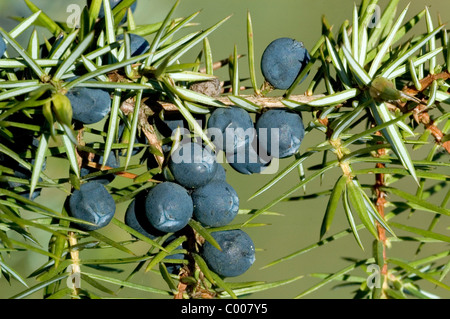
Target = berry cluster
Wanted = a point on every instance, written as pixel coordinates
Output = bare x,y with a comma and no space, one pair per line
249,147
198,190
193,185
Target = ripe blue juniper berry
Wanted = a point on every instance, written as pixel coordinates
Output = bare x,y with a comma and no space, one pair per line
236,256
193,165
89,106
221,174
215,204
251,159
168,207
230,129
94,204
280,132
282,61
138,44
2,46
136,218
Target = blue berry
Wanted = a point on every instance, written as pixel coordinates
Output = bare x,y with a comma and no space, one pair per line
248,161
138,44
168,207
236,257
216,204
92,203
193,165
136,218
221,174
230,128
89,106
2,46
280,132
282,61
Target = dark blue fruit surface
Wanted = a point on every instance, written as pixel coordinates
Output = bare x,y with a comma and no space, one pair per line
2,46
136,218
248,161
221,174
215,204
280,132
89,106
236,257
168,207
193,165
282,61
230,128
138,44
92,203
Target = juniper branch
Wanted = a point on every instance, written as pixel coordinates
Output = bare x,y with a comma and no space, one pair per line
262,101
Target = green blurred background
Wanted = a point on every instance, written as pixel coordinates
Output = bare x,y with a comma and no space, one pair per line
300,224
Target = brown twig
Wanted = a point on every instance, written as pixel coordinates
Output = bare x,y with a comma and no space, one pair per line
123,174
420,113
426,82
263,102
145,111
380,203
181,288
75,257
